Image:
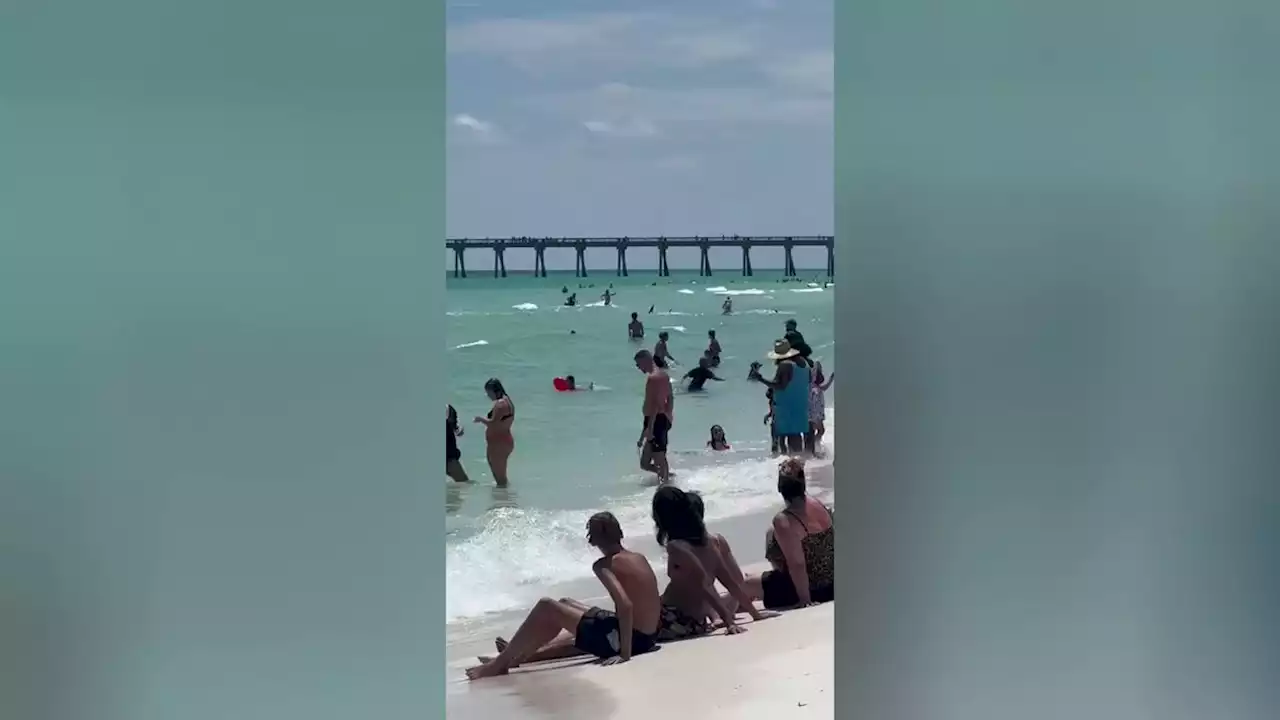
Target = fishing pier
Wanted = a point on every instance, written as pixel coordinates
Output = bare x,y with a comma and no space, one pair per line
621,245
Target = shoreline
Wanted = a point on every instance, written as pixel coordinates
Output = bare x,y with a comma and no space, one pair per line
467,638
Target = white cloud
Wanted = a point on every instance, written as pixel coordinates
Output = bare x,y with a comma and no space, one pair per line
813,72
606,40
477,129
631,128
714,106
527,36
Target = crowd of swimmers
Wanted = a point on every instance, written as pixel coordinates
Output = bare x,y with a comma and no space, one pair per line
795,394
799,546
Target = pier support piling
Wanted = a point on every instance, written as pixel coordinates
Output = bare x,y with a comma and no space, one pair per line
831,260
622,258
459,263
580,265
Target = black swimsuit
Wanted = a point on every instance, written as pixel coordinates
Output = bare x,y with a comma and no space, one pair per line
451,451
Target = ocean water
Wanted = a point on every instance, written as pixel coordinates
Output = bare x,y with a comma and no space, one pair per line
575,452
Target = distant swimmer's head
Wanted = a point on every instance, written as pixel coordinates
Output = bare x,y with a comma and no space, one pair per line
493,388
791,485
570,382
573,332
676,518
791,324
644,361
664,336
711,334
604,531
635,316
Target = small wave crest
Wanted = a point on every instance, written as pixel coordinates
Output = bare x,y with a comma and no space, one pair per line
524,306
477,343
677,328
685,291
735,293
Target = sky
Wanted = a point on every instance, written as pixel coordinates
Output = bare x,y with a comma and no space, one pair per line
605,118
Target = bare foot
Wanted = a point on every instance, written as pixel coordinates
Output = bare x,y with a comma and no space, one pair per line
489,669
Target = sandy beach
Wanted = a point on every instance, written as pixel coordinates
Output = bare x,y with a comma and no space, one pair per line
779,668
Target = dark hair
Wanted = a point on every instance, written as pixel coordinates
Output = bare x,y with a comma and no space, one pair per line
635,316
569,379
675,517
643,354
711,333
695,499
791,479
603,529
664,335
494,385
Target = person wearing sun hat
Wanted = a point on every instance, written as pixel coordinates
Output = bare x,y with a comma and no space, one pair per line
790,385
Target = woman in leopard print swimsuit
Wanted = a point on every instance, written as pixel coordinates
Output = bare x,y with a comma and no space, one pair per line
801,547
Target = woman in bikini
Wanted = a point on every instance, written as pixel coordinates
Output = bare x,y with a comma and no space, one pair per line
499,442
696,559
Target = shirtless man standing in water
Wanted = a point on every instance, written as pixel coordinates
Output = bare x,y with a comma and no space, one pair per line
658,409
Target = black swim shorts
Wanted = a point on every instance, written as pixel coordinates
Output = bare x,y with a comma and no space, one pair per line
597,634
661,429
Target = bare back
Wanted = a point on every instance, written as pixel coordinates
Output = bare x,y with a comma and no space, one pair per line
683,591
657,394
813,518
636,577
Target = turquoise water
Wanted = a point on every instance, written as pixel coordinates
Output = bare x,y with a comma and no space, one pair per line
575,452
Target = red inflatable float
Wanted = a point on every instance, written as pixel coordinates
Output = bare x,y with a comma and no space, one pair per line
560,384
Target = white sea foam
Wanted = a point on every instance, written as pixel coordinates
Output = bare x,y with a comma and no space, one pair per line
524,306
516,554
477,343
677,328
810,289
685,291
716,289
748,291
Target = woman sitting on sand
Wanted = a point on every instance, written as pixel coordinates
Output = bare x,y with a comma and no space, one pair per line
696,559
499,442
801,547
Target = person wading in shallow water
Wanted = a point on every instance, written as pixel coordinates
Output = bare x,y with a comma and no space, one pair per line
452,455
790,386
658,409
499,442
635,329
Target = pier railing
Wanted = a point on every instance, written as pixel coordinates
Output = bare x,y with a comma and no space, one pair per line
580,245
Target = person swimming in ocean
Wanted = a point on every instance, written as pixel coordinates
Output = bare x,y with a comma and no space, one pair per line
660,350
727,307
699,376
572,300
607,297
572,384
635,329
718,441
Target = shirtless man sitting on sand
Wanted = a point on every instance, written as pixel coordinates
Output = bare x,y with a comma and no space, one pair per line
614,637
658,409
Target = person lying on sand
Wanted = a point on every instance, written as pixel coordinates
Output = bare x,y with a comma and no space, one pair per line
611,636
